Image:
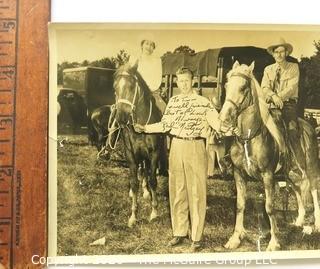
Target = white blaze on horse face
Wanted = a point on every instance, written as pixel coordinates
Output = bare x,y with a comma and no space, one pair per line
235,92
121,84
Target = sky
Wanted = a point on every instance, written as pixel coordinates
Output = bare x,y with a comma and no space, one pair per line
93,42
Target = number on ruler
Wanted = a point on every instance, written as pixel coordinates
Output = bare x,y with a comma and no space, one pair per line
9,25
5,121
5,172
8,73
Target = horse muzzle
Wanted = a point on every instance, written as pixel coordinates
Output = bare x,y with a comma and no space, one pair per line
124,117
228,118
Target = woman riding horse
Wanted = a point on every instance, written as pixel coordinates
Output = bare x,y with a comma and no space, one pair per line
256,152
135,104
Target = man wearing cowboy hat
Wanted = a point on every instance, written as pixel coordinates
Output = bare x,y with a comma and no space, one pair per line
280,86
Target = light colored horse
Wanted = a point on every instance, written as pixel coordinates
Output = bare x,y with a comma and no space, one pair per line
257,152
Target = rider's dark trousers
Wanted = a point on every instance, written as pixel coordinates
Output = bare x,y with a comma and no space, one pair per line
289,115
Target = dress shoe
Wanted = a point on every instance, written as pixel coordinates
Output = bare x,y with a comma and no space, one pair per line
177,240
195,246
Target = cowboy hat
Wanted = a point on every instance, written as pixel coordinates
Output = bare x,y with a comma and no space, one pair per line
281,43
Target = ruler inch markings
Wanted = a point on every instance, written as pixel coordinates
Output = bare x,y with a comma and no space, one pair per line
9,17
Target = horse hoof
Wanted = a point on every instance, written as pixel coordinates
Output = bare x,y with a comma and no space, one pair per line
146,195
132,222
154,215
233,243
273,246
317,226
317,229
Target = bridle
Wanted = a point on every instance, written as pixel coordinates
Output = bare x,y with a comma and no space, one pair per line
240,107
134,103
113,125
245,104
137,89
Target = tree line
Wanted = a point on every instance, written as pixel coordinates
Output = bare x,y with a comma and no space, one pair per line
310,78
121,58
309,71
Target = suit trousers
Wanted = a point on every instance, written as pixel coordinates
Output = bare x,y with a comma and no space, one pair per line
187,186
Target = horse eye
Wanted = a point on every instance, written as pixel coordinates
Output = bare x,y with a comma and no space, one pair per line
244,88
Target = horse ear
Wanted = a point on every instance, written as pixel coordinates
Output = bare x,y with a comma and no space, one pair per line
251,67
235,65
134,67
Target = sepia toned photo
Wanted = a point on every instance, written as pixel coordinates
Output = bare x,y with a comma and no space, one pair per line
184,139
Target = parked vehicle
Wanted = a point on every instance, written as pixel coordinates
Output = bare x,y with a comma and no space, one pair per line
90,88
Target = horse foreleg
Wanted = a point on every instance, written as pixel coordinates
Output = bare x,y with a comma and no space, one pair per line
269,191
133,218
142,176
134,187
146,193
239,231
301,209
314,177
153,187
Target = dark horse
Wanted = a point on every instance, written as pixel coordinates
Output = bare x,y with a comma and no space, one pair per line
135,104
256,152
100,119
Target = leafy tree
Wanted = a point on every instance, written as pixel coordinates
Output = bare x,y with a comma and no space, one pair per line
63,66
181,49
167,53
104,63
85,63
310,78
184,49
121,58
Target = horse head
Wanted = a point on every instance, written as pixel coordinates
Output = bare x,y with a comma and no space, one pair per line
128,93
239,94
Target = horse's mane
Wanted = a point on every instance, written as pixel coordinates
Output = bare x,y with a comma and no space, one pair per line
259,99
132,71
128,70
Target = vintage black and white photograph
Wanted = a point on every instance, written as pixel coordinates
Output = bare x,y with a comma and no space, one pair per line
183,139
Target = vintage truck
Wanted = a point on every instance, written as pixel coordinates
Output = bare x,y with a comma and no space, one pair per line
84,89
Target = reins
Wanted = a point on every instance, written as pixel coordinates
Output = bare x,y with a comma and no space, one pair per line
113,121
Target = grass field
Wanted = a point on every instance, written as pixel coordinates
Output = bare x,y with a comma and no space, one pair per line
93,202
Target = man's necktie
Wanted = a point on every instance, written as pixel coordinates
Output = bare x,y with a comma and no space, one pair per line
277,80
278,74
